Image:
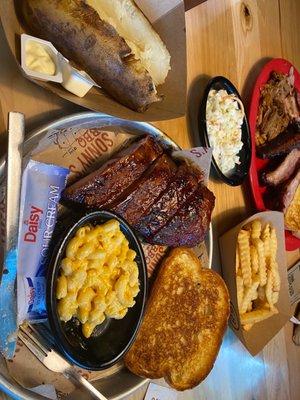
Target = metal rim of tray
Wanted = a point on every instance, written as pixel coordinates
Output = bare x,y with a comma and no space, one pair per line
75,120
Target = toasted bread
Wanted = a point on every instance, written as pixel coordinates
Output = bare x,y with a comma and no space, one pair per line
292,214
184,323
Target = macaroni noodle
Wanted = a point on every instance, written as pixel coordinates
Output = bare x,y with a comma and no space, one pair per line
98,276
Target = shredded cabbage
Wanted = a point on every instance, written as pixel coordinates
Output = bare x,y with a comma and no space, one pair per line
224,119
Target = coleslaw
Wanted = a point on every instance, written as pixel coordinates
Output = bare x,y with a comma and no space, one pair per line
224,119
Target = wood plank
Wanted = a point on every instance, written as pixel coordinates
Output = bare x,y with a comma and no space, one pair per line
3,136
275,357
290,32
232,39
192,3
293,357
224,37
290,42
256,40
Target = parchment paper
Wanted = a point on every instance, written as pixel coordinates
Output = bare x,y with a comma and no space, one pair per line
261,333
168,19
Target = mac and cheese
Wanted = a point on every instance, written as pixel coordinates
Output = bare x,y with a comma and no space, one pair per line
98,278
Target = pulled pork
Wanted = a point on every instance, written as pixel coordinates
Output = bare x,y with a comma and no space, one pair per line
279,106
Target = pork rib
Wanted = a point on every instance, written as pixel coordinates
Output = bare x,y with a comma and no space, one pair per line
284,194
105,185
190,224
282,144
140,196
179,190
284,171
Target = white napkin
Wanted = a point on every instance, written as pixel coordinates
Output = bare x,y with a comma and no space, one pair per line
45,390
157,392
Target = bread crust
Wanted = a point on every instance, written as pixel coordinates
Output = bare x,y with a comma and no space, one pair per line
185,320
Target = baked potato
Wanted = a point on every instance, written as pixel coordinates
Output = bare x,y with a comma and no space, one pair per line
93,44
133,26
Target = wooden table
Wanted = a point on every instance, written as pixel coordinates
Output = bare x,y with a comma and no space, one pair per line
233,38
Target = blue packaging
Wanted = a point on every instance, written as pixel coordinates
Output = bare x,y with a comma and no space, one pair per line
42,185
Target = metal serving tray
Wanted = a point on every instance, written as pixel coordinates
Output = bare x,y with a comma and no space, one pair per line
117,382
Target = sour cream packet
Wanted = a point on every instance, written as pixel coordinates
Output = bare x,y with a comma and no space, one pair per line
42,185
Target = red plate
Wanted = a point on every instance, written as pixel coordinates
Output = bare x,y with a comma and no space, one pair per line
257,164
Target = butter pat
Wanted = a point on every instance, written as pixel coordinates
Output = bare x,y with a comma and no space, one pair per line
39,59
78,83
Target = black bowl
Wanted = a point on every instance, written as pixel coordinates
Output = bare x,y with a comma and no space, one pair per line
239,172
113,338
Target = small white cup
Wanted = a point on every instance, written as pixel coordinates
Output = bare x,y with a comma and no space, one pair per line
76,82
51,50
